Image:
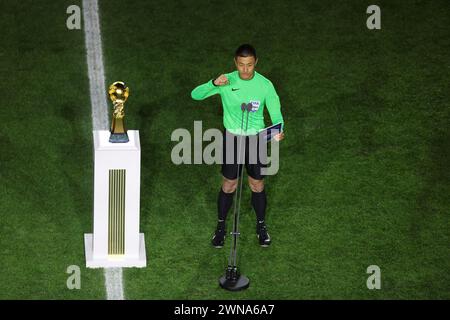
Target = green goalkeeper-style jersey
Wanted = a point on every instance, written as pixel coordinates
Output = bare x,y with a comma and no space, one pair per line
258,91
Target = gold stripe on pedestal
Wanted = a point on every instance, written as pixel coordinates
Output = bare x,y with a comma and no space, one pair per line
116,212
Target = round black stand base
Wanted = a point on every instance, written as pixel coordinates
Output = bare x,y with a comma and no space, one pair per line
240,284
118,138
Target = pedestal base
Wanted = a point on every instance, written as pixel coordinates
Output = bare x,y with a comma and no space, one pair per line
114,262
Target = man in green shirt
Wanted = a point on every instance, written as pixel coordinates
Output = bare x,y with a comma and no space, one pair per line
244,85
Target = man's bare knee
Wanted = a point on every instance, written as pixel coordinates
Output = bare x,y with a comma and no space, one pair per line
228,186
256,185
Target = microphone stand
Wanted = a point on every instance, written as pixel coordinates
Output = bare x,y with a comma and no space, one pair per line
233,280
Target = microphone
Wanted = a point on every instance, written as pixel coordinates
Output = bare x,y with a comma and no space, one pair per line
249,107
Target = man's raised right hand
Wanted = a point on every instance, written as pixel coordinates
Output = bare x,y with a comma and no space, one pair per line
221,80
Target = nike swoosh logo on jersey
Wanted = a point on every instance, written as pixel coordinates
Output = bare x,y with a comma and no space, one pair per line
233,89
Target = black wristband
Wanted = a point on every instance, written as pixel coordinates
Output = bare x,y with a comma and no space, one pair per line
213,82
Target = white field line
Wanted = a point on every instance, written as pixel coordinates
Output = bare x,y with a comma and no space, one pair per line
114,284
95,65
113,276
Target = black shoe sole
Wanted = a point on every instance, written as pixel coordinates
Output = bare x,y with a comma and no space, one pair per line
220,245
263,245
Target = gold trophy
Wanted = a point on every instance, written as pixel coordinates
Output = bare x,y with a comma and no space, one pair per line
118,92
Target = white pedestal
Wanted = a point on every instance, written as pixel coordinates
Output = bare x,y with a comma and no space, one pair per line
116,241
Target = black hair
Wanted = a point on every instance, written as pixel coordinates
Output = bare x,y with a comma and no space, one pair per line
245,50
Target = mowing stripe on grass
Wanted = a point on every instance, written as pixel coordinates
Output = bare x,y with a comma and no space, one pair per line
113,276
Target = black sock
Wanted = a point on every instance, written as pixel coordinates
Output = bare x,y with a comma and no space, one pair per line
223,206
259,202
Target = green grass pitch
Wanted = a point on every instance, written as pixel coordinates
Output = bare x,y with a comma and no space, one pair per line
364,176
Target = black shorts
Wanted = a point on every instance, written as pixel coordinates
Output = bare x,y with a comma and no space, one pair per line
253,164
